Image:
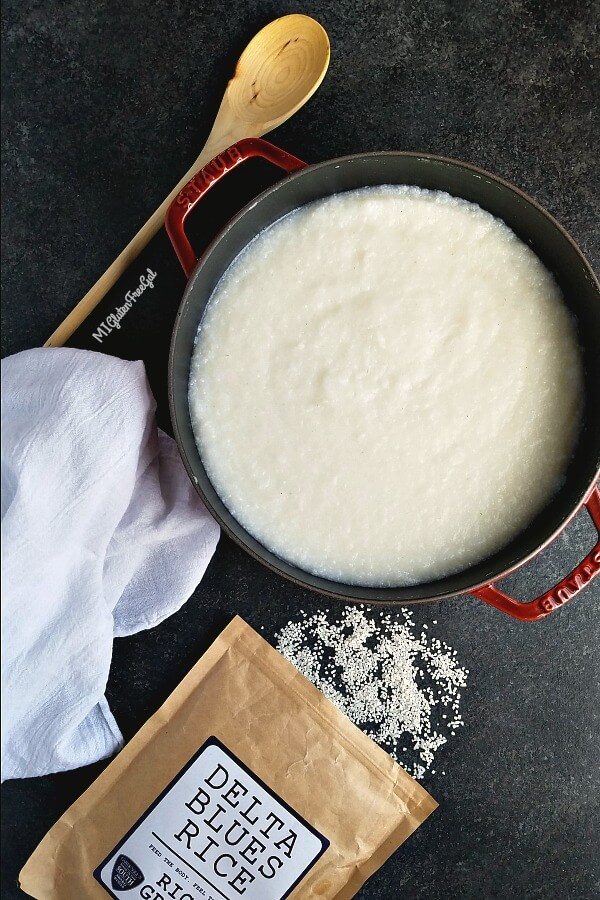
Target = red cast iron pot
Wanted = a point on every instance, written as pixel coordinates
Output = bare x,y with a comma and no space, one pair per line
530,222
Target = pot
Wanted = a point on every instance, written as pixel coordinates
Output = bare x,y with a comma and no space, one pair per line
527,219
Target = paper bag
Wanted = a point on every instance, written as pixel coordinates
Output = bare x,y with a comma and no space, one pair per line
247,782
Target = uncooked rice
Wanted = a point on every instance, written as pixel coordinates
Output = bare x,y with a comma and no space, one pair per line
400,685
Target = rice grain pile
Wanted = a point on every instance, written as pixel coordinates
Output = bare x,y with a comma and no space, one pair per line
401,687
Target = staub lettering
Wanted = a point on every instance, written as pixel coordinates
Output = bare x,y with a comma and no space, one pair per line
553,599
205,177
252,843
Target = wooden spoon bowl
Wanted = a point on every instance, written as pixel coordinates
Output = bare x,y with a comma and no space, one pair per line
278,71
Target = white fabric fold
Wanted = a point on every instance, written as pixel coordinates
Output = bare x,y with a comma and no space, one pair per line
103,535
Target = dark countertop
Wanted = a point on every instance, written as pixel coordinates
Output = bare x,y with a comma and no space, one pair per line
105,106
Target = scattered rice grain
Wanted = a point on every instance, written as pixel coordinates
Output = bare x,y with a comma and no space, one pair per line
390,680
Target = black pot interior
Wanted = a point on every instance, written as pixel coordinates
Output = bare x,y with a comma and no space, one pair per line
528,221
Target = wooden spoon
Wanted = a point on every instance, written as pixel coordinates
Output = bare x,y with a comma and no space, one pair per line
280,69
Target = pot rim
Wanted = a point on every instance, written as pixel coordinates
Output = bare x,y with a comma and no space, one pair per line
333,592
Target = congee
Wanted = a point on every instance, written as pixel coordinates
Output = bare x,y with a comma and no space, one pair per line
386,386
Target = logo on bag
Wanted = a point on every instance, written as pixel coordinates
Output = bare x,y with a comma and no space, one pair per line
125,874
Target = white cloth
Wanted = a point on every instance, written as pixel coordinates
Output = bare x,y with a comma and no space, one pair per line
103,535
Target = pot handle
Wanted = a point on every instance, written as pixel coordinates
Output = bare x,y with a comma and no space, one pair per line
202,181
557,596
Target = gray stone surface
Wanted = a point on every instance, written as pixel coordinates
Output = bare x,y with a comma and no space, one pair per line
105,104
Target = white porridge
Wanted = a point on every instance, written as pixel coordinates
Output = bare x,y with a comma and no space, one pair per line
386,386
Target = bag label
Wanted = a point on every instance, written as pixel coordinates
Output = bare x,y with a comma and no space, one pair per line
217,832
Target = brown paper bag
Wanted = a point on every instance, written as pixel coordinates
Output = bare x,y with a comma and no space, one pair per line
247,782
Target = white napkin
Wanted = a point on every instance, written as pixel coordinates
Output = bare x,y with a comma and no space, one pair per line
103,535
